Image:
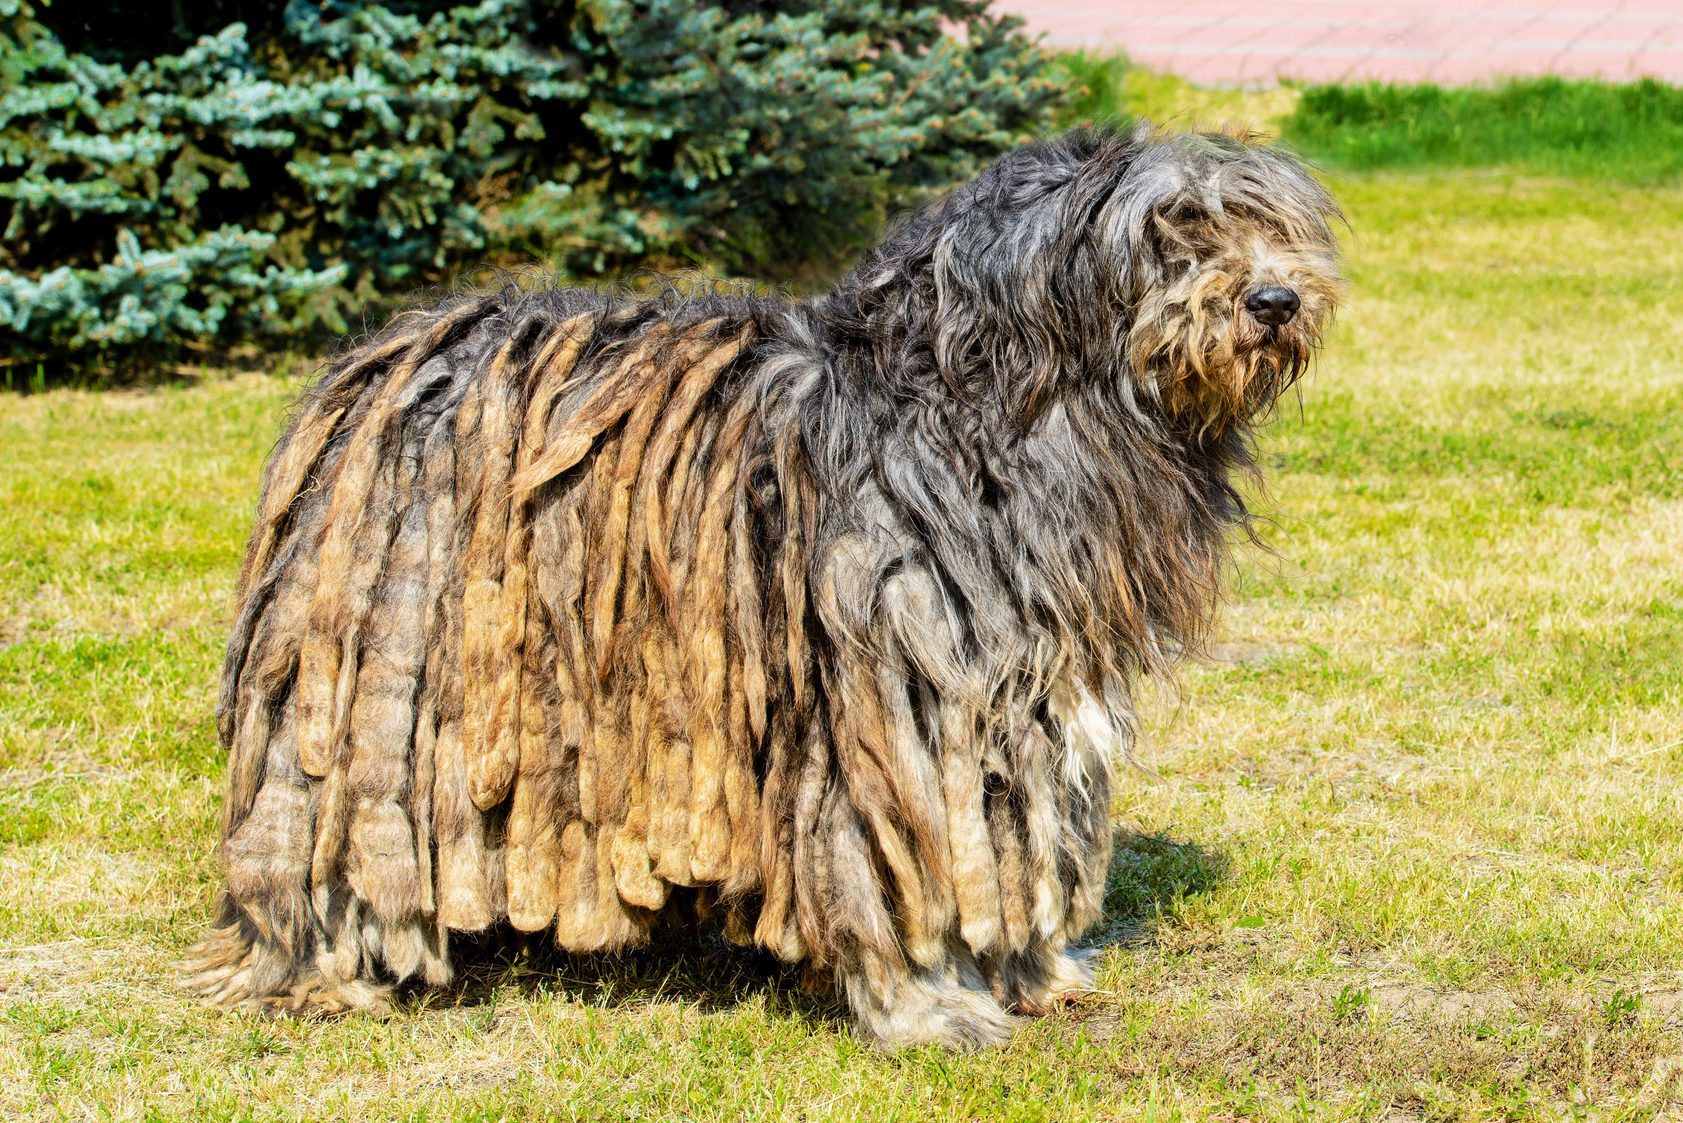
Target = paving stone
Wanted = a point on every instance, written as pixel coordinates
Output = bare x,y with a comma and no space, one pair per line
1256,43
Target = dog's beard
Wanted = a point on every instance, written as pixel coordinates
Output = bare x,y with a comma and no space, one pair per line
1267,361
1210,362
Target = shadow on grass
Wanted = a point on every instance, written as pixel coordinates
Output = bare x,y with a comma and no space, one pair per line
1150,876
692,965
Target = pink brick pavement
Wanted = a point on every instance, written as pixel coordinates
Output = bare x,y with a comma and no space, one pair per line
1257,42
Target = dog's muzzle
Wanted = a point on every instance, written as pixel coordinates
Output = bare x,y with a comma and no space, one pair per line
1273,305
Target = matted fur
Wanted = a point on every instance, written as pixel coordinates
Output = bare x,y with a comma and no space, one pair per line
568,610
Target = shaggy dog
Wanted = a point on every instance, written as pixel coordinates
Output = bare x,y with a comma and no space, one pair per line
587,613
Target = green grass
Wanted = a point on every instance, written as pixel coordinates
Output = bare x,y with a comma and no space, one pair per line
1106,90
1546,126
1629,132
1416,851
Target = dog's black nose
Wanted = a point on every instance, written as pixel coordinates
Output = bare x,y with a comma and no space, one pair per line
1272,305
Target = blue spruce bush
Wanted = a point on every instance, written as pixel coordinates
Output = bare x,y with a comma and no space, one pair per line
244,171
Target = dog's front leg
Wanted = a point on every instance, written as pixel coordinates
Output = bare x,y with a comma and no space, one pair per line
1038,980
899,1004
885,923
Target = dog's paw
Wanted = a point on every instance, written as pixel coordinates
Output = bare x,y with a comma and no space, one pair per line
946,1008
1072,974
957,1019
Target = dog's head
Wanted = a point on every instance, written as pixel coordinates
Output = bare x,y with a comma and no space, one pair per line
1232,269
1198,271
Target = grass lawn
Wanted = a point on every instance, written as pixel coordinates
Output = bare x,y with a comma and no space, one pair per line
1416,850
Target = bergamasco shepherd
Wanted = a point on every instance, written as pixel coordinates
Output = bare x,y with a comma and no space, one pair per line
588,613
